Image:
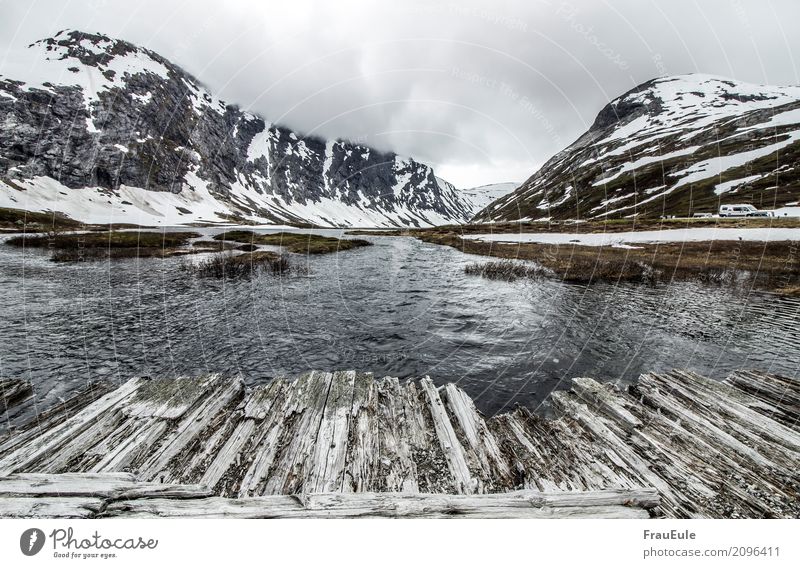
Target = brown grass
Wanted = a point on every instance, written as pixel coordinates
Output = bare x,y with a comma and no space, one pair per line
604,226
240,265
771,266
299,243
103,245
22,220
508,270
104,239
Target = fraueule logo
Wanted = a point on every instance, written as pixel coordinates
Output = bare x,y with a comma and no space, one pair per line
31,542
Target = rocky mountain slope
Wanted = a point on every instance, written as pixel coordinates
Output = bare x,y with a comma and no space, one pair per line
672,146
103,130
481,196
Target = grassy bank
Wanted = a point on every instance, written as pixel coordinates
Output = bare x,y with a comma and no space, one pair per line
773,266
19,220
22,221
98,245
605,226
299,243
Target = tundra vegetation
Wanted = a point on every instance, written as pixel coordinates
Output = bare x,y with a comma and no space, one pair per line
299,243
98,245
232,265
772,266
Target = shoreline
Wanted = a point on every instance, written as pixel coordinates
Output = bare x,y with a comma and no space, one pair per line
771,266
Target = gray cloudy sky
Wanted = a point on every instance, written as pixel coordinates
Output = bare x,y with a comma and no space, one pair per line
483,91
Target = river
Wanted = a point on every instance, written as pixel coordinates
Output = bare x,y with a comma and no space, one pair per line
401,307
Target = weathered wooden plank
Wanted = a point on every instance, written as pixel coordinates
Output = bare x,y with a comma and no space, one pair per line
215,508
451,446
50,507
610,504
229,453
750,434
303,415
433,473
262,400
487,462
189,428
774,396
65,484
711,449
363,447
191,463
169,398
686,457
46,419
326,464
79,448
398,472
140,436
265,448
88,495
613,446
51,441
599,398
163,491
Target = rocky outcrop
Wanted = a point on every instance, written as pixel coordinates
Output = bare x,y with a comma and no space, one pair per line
103,127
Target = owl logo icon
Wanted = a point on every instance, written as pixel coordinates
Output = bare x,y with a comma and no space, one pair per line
31,542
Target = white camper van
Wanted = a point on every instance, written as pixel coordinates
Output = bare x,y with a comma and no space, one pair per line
741,210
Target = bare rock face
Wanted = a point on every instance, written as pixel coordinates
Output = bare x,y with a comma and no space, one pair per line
116,123
672,146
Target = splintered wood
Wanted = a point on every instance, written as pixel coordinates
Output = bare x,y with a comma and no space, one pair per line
705,448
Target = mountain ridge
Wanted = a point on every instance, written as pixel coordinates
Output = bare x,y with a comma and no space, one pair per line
670,146
103,128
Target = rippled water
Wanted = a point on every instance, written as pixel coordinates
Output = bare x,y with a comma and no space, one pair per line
401,307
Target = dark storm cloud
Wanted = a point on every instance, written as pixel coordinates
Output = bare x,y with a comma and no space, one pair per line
483,91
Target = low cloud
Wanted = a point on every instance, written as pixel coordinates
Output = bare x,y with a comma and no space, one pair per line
483,91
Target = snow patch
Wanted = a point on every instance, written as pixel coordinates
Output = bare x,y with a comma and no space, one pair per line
625,238
724,187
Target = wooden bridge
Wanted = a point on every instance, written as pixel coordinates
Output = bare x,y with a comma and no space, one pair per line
346,444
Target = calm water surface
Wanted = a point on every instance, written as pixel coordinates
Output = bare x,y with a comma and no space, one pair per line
401,307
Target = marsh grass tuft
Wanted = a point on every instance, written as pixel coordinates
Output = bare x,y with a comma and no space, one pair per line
230,266
508,270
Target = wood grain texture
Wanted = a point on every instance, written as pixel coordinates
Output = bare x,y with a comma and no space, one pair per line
118,495
708,448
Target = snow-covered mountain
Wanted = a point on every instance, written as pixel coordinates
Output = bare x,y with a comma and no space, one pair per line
676,145
481,196
103,130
